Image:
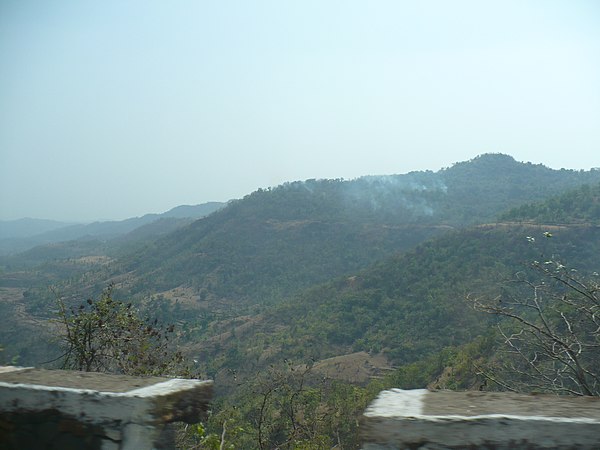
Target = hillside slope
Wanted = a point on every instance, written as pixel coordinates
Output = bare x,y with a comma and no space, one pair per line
275,242
217,273
411,306
581,205
404,309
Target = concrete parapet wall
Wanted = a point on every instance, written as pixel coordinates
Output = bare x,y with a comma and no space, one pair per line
422,419
67,409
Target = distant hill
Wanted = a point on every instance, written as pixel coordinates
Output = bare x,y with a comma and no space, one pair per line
115,228
15,240
275,242
193,211
22,228
481,188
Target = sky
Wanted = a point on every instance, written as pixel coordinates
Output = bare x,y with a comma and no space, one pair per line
112,109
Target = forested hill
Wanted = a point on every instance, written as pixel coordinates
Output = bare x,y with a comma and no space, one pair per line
409,306
581,205
253,265
479,189
276,241
469,192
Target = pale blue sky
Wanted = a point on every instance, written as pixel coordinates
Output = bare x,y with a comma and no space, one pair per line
111,109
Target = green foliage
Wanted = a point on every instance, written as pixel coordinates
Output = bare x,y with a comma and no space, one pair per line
581,205
481,188
106,335
12,362
408,307
286,406
456,368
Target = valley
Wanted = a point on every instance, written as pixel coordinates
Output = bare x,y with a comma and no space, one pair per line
349,286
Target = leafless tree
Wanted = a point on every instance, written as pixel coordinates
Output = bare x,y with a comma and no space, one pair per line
552,335
288,411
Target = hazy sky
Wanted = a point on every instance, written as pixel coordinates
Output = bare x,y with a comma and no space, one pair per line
114,108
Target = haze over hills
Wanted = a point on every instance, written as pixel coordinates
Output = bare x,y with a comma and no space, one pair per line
27,227
20,235
276,241
378,214
273,242
366,280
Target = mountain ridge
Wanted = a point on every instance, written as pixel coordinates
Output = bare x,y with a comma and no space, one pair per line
339,225
15,239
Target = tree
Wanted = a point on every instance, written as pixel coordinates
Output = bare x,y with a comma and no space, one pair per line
106,335
286,406
552,331
285,409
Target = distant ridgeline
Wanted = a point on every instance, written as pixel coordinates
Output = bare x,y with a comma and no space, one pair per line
469,192
20,235
275,241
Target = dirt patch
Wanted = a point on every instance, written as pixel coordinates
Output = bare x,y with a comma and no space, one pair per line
94,260
181,294
16,302
358,368
286,225
11,294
